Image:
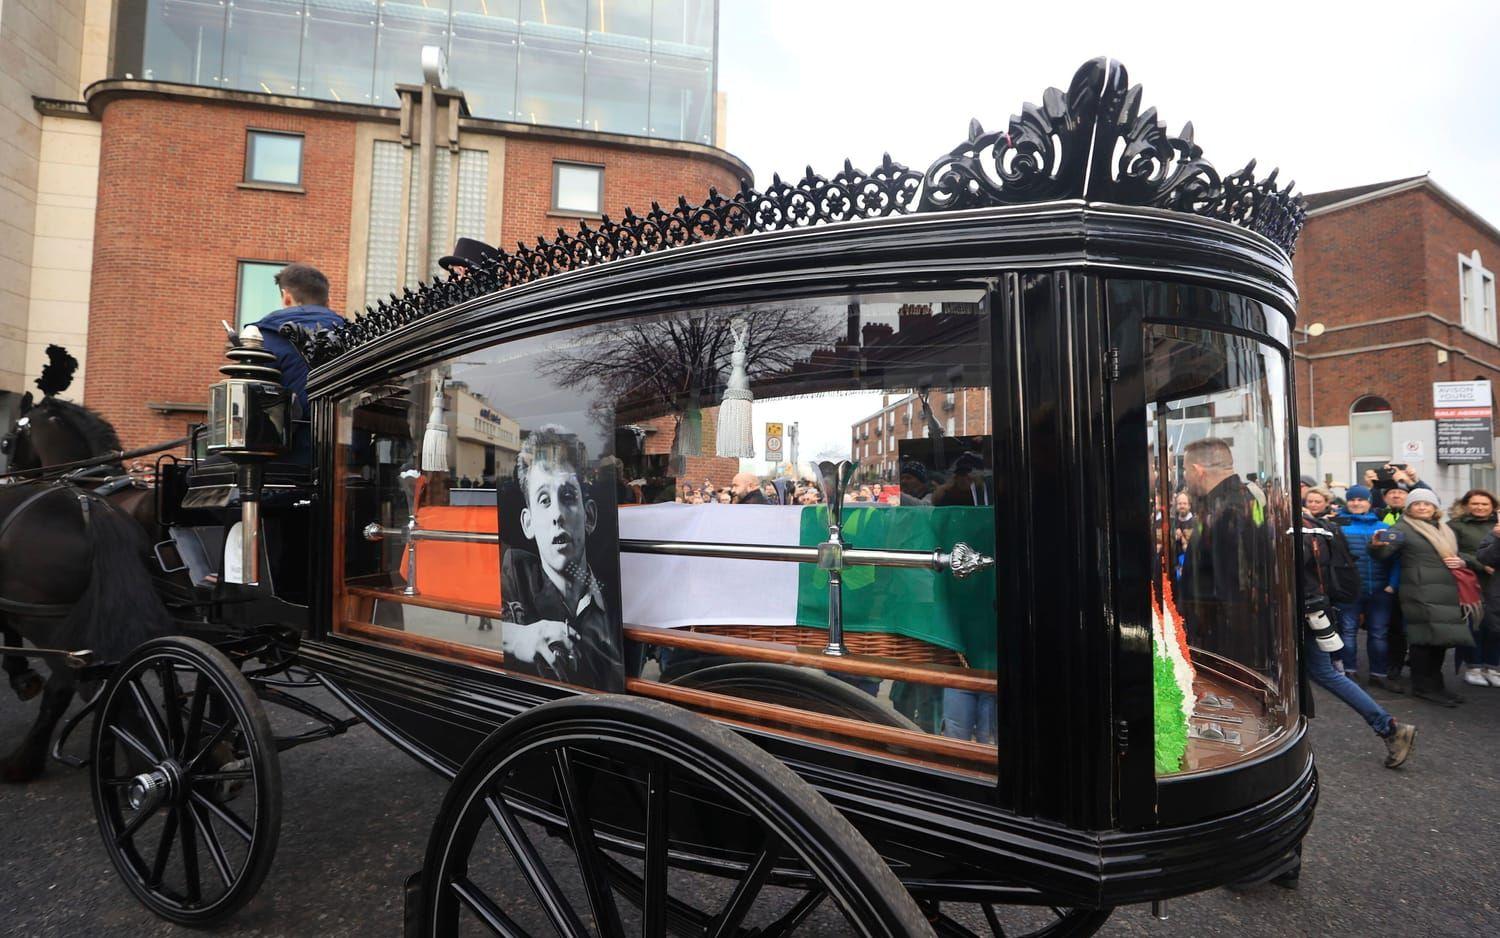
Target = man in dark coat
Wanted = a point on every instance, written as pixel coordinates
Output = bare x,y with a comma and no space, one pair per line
304,302
1224,593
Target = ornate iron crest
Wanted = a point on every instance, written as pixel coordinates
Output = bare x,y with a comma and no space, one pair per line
1091,142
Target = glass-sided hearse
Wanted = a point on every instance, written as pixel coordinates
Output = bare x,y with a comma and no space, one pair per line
966,626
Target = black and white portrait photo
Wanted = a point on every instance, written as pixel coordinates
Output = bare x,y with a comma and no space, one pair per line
559,564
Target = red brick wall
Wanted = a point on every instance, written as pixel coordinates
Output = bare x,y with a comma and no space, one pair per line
171,226
1362,263
632,178
1391,257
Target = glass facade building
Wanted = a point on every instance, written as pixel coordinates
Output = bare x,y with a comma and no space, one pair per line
641,67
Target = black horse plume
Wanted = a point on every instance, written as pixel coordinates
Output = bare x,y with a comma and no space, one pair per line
57,374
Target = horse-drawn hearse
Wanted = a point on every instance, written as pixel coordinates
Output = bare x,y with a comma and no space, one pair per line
1004,692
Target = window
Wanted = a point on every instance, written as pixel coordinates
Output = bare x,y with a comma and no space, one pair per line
1221,510
1370,432
568,408
274,158
640,67
1476,296
257,294
577,189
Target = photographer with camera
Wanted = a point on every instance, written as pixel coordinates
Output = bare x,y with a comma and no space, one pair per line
1322,584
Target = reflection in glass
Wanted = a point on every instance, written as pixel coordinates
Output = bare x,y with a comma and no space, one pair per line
642,398
1216,424
184,41
405,27
623,66
482,55
274,158
683,27
338,50
682,98
261,45
577,188
617,88
549,77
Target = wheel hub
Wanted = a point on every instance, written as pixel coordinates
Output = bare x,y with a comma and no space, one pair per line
150,789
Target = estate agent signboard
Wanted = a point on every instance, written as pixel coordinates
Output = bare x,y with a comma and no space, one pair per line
1465,421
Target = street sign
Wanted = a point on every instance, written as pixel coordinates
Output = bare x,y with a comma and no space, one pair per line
773,442
1464,414
1412,449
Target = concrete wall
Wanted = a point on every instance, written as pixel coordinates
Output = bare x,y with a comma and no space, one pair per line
63,248
41,44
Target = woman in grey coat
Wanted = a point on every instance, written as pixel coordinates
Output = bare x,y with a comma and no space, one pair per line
1436,619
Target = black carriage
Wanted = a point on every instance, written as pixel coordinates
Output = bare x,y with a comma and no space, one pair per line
1006,678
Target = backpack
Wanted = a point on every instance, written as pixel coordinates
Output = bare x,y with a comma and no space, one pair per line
1342,584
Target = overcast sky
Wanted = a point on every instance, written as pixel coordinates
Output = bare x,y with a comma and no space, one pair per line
1337,94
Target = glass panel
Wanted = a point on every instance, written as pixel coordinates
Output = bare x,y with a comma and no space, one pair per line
625,419
482,56
184,41
438,238
257,294
261,46
550,73
1216,424
682,98
381,274
473,195
683,27
405,27
1370,434
577,188
274,158
338,50
618,87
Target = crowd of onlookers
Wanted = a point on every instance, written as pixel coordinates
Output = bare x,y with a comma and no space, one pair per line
1419,579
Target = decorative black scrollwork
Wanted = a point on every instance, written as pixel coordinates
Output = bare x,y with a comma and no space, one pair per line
1092,142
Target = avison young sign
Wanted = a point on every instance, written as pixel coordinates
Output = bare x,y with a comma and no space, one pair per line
1465,421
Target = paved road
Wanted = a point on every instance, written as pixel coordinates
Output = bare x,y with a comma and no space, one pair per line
1405,853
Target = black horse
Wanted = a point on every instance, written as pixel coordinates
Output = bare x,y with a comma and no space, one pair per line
73,563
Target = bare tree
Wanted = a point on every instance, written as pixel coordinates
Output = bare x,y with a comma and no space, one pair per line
661,364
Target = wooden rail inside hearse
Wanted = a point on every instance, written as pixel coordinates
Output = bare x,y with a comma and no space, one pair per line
907,745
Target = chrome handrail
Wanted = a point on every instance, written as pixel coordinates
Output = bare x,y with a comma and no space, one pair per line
832,555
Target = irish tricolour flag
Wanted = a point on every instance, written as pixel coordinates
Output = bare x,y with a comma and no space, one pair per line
676,592
1172,679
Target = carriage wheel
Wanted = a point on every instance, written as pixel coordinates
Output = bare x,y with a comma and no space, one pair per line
187,788
660,821
1010,921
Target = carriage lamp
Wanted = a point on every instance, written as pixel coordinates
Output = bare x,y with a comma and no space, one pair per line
249,418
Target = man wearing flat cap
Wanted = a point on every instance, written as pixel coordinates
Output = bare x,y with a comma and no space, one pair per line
468,252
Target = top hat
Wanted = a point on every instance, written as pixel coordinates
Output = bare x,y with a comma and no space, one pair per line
468,252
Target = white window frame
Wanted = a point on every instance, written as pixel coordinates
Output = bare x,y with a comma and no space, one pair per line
574,211
1476,296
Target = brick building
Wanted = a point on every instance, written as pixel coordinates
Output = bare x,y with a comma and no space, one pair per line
876,440
1396,274
189,150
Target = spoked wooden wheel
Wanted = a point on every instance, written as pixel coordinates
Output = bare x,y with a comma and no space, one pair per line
619,816
187,788
1007,921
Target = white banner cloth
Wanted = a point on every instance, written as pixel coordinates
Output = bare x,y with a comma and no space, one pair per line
674,592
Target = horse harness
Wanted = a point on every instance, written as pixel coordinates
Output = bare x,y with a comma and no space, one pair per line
85,499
